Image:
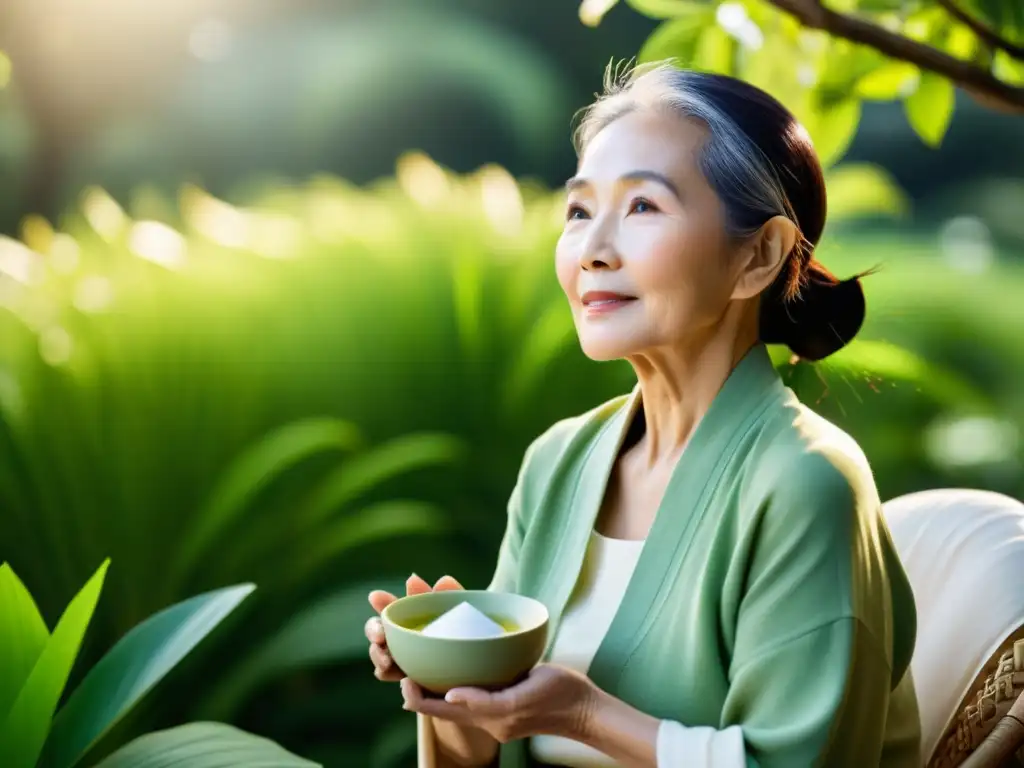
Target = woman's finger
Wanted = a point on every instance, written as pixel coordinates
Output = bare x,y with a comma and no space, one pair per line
381,658
417,701
415,585
446,582
380,599
374,630
384,667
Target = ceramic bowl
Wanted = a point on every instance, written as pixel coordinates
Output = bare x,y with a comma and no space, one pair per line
438,664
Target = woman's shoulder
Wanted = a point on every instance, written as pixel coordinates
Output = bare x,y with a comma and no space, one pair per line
799,453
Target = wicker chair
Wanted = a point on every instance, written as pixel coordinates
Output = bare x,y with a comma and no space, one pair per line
964,555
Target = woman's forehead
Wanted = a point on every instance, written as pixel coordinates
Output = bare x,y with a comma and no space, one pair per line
644,140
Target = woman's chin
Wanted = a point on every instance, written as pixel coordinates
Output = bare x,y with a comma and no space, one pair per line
604,350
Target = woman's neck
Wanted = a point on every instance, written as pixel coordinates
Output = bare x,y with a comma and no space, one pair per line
677,386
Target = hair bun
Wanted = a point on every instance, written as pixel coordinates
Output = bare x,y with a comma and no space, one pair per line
823,318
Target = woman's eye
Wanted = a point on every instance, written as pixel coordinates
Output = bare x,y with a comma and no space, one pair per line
642,206
575,213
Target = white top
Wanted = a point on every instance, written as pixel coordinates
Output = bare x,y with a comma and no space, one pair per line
607,569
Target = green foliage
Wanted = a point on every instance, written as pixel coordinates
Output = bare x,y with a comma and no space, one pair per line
324,388
202,745
36,671
822,76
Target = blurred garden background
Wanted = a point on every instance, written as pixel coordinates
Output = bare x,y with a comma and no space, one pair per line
277,300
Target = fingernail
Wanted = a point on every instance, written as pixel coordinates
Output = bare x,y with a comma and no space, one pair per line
453,698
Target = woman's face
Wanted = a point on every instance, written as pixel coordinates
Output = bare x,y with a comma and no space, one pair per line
644,258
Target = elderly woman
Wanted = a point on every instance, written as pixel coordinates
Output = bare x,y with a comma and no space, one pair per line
722,587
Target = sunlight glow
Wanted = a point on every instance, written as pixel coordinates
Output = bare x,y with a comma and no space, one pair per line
733,18
93,294
966,243
972,441
502,200
103,213
20,262
422,179
55,346
214,219
64,253
158,243
592,11
211,40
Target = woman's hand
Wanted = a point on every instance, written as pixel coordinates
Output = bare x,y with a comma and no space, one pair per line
384,667
551,700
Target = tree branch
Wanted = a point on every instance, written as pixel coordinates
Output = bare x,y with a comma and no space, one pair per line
978,82
985,33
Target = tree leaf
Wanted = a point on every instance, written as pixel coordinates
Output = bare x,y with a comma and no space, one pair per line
592,11
715,52
203,745
24,732
832,126
858,189
132,667
667,9
328,631
892,80
22,640
254,469
677,39
1005,67
929,109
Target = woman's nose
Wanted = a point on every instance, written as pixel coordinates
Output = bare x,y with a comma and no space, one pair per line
600,255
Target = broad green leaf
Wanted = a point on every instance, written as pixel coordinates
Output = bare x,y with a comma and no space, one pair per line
677,39
252,471
132,667
24,732
592,11
832,127
667,9
551,333
892,80
23,637
383,520
929,109
366,471
882,361
859,189
329,631
203,745
467,295
395,744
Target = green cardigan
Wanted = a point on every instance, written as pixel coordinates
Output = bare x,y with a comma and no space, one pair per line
768,593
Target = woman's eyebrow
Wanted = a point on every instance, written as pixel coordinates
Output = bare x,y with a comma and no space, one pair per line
577,182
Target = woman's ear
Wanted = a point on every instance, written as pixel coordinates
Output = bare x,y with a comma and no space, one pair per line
763,256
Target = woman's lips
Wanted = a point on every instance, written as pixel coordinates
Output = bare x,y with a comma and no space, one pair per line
601,302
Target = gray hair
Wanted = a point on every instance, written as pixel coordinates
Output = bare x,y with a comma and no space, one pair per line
732,162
